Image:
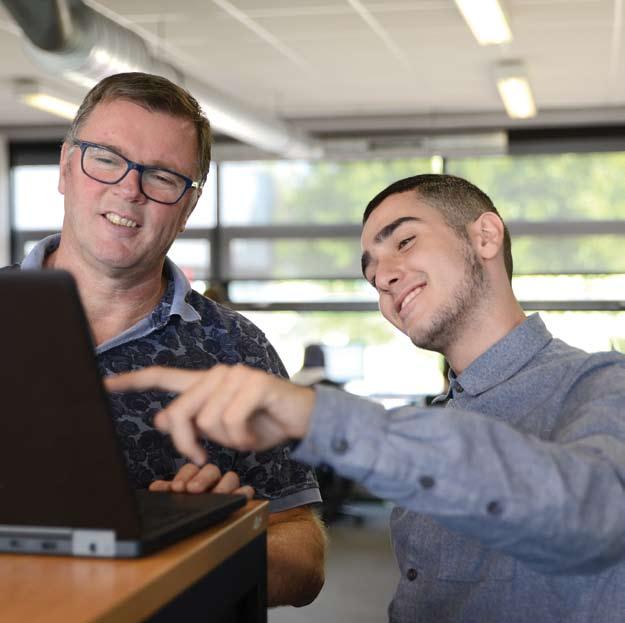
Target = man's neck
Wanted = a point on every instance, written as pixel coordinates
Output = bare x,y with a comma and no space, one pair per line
484,330
113,302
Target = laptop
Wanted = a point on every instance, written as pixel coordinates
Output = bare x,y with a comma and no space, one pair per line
63,482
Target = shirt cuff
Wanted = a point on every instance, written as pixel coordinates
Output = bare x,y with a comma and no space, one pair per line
344,433
300,498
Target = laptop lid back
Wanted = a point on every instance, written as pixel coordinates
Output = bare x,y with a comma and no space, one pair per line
60,463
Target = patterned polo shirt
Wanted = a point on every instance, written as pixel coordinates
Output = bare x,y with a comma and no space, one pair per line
187,330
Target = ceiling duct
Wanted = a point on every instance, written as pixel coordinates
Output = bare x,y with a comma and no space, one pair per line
67,38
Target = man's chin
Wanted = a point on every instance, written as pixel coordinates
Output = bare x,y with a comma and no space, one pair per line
424,344
429,339
113,264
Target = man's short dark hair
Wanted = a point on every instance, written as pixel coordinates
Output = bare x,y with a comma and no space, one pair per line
156,94
459,202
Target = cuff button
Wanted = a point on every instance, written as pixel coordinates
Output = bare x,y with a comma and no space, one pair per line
427,482
340,446
494,508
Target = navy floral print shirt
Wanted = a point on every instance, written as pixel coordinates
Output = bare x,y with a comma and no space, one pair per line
187,330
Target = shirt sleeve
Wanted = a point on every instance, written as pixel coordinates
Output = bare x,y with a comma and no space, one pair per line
557,505
276,477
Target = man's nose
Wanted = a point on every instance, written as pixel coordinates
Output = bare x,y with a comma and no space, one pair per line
388,273
130,187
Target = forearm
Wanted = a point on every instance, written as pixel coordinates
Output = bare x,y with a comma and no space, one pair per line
295,557
558,506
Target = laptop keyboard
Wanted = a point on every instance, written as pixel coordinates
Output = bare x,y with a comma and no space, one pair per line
159,510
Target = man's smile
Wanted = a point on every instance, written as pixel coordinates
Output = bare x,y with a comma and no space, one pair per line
402,304
116,219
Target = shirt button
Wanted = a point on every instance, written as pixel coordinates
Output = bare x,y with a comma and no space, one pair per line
459,389
340,446
494,508
427,482
412,574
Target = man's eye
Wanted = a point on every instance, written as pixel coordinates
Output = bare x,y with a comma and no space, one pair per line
404,242
106,160
161,178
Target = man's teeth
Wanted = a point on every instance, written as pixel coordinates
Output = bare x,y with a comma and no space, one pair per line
411,297
120,220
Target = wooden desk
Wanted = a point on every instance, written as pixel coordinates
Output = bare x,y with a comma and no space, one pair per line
216,575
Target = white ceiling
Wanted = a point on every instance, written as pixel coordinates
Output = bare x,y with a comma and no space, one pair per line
328,65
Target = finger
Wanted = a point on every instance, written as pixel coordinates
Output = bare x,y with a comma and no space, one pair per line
240,414
205,480
153,377
160,485
240,393
228,483
247,491
178,417
184,437
198,407
184,475
194,396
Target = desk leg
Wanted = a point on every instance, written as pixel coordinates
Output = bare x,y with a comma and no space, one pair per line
234,592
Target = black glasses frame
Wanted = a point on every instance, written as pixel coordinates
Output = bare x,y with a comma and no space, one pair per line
140,168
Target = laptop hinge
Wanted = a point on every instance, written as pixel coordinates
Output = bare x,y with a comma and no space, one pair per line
93,543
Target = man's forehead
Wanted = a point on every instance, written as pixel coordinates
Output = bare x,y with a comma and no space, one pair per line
114,113
127,126
393,211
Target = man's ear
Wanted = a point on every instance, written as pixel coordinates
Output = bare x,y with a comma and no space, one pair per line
486,234
63,163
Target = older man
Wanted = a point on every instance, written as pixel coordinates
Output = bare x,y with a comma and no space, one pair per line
132,168
511,501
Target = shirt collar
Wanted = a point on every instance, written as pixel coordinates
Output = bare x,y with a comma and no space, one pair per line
36,256
505,358
182,288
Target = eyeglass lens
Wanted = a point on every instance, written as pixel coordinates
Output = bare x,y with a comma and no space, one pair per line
108,167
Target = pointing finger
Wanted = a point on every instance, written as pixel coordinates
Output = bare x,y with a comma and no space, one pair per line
154,377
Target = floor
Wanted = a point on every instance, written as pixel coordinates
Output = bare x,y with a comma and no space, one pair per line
361,573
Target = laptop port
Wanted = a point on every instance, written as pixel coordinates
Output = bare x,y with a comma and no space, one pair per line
48,546
15,543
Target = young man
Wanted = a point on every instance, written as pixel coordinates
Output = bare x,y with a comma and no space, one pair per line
132,168
511,502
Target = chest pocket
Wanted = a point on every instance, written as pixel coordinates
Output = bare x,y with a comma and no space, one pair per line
466,560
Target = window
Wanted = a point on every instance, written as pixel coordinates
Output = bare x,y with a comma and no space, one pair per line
283,237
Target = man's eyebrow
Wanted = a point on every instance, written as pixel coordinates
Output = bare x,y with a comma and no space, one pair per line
388,230
157,164
382,235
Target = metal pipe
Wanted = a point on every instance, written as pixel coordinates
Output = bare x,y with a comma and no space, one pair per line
67,38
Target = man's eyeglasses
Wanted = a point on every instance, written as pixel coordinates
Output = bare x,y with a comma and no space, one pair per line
107,166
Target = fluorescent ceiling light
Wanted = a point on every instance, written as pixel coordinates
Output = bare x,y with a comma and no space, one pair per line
515,91
51,104
486,20
32,93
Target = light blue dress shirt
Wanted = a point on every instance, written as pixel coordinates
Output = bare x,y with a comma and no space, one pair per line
511,501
